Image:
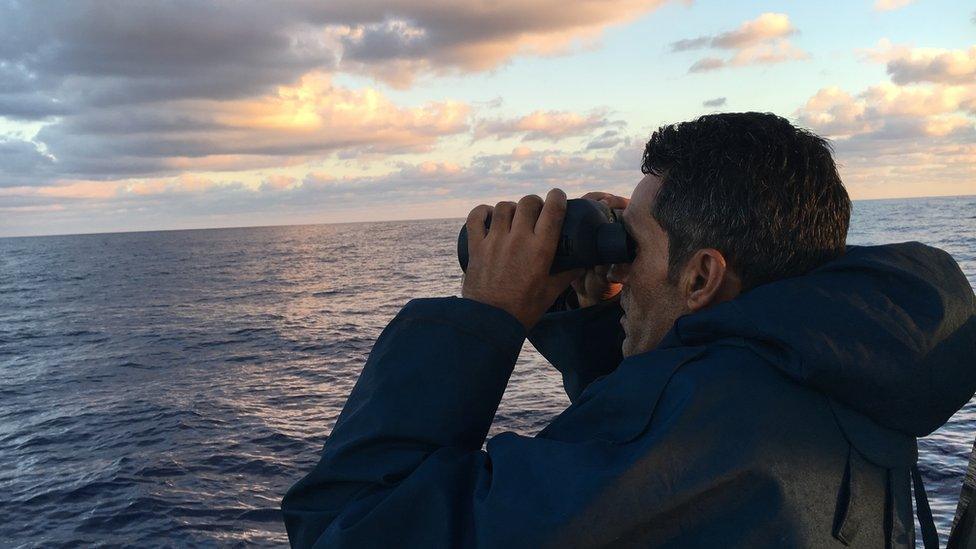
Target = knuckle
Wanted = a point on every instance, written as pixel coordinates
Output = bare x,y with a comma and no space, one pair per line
531,200
478,212
505,206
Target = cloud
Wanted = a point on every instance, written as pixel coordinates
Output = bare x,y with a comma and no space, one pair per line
294,124
277,183
763,40
717,102
706,64
442,189
907,65
22,163
889,5
606,140
88,52
397,41
768,26
888,111
543,125
835,113
130,90
917,130
70,57
691,44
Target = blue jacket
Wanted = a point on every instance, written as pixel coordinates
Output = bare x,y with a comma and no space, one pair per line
785,417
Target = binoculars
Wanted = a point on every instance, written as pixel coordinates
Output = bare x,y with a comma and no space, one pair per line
592,234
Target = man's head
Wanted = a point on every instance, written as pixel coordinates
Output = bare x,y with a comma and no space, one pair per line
728,202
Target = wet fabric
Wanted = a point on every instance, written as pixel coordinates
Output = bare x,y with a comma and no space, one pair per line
785,417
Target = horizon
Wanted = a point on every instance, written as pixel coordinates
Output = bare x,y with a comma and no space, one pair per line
449,218
210,115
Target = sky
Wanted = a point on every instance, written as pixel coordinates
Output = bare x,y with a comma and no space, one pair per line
119,116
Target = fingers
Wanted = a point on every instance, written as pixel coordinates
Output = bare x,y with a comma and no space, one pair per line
551,218
611,200
477,219
526,214
616,202
596,195
501,218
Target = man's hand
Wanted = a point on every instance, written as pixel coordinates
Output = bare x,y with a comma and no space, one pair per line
593,287
508,265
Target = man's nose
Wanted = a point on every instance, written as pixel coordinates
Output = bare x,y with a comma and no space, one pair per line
618,273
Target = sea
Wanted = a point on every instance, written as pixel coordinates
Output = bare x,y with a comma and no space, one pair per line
166,388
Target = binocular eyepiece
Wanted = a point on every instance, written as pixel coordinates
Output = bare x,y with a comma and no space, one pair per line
592,234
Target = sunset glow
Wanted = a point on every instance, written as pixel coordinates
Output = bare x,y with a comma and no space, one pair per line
160,116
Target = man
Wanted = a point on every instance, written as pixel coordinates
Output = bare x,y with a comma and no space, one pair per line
771,388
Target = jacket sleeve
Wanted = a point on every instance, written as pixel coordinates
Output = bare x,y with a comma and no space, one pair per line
583,344
404,465
413,427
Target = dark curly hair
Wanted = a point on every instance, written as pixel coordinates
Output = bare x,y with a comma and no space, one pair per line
763,192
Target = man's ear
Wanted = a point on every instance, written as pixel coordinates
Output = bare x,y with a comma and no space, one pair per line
707,280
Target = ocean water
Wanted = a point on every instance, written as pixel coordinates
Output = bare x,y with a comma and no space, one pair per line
168,387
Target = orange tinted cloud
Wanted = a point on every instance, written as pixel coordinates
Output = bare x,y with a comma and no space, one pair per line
104,190
278,183
889,5
396,41
908,65
932,92
763,28
543,125
80,189
296,123
910,169
763,40
248,86
315,105
909,136
834,112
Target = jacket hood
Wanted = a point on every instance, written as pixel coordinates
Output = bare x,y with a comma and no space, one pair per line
887,331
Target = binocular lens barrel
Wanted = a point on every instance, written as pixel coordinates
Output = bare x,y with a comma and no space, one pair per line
592,234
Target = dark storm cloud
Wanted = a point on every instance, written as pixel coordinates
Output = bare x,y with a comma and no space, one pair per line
112,52
388,40
717,102
83,54
22,163
30,106
137,88
467,34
